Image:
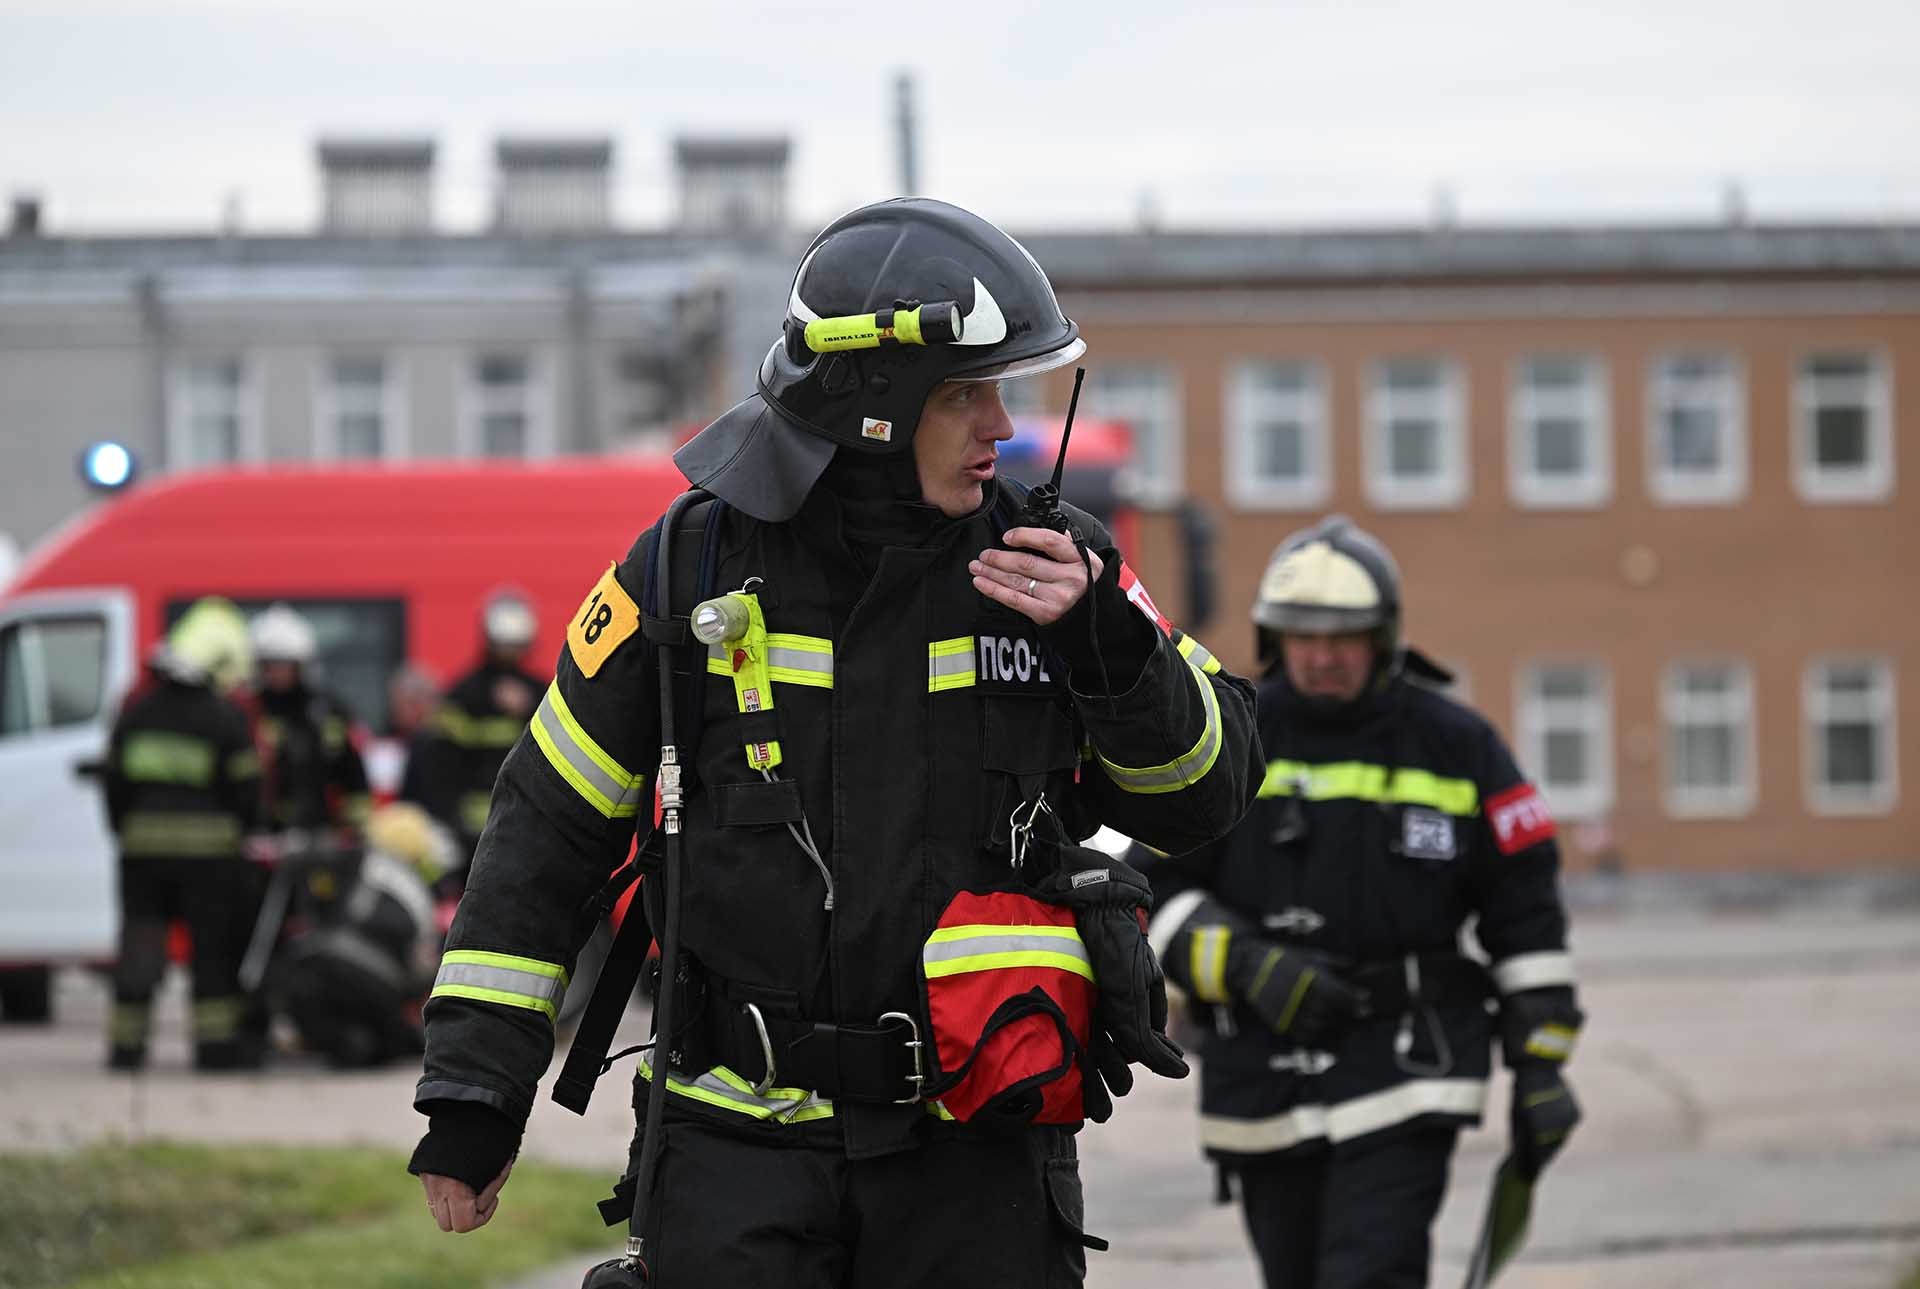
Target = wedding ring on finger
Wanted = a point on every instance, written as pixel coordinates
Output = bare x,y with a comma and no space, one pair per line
1031,583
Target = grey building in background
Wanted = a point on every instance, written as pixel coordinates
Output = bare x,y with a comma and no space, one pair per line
378,338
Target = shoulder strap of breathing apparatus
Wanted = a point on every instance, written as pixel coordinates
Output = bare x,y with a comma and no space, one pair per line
679,573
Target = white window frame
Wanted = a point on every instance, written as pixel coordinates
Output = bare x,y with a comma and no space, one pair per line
1447,489
1591,405
249,410
539,409
394,430
1693,802
1874,480
1168,487
1587,801
1822,799
1725,486
1248,405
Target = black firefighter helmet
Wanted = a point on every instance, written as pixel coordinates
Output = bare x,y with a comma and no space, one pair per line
1330,578
890,300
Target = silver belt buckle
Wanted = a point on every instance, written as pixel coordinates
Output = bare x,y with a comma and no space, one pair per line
919,1076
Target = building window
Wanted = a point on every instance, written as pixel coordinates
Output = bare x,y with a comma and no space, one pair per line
1707,707
213,419
643,401
1696,429
357,410
1850,708
505,419
1147,397
1566,735
1843,442
1416,434
1559,436
1277,451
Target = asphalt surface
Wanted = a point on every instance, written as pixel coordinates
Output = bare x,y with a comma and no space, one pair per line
1751,1082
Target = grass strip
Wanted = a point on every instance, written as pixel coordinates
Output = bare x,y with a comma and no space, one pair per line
169,1216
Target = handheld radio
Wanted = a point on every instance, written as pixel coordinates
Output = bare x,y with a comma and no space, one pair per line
1042,508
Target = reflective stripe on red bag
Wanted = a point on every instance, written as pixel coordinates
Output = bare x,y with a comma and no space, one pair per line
1010,998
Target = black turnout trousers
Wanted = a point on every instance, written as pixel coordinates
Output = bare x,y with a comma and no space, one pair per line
961,1211
1359,1216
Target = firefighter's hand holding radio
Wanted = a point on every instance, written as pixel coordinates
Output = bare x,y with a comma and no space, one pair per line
879,693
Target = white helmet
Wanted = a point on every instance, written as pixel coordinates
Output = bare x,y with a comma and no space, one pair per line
282,635
508,621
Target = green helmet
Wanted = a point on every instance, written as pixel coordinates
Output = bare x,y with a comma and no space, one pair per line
209,646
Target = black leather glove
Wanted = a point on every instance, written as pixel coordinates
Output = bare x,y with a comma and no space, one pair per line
1294,990
1544,1115
1110,901
466,1141
1104,1075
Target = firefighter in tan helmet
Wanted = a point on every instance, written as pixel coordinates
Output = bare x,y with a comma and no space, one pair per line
1348,1040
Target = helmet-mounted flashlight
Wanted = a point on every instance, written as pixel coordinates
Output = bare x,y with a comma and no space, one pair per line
938,323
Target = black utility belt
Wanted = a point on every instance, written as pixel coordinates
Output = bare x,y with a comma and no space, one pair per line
884,1062
1415,979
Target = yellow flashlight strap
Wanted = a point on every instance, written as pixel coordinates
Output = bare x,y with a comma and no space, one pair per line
752,681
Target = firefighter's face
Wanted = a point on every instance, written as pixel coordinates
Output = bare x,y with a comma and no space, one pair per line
958,442
279,676
1332,665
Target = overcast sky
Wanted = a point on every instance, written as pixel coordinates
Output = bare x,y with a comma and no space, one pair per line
134,116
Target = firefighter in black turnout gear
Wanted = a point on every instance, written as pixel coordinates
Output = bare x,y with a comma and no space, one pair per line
1349,1037
901,987
480,718
315,778
182,786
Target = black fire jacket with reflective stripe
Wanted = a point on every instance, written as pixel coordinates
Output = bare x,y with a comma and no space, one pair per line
472,731
1416,821
911,713
314,775
182,777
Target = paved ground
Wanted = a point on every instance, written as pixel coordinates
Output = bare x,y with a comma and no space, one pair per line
1752,1083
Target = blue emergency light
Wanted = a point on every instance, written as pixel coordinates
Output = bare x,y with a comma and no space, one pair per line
107,465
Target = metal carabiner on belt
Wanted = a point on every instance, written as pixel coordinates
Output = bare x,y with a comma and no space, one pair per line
1403,1036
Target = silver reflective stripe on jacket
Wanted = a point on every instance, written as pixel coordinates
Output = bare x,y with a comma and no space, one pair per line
501,978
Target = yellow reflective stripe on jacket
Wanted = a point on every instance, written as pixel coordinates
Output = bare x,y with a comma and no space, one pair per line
1197,654
1185,770
501,978
157,756
601,781
1552,1041
800,660
472,810
244,764
1207,962
466,730
791,659
957,950
950,664
184,834
1362,781
722,1088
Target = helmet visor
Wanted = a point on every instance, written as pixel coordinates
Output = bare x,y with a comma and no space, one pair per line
1030,366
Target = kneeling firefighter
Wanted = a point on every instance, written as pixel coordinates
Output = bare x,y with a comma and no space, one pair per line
1350,1039
894,987
365,940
